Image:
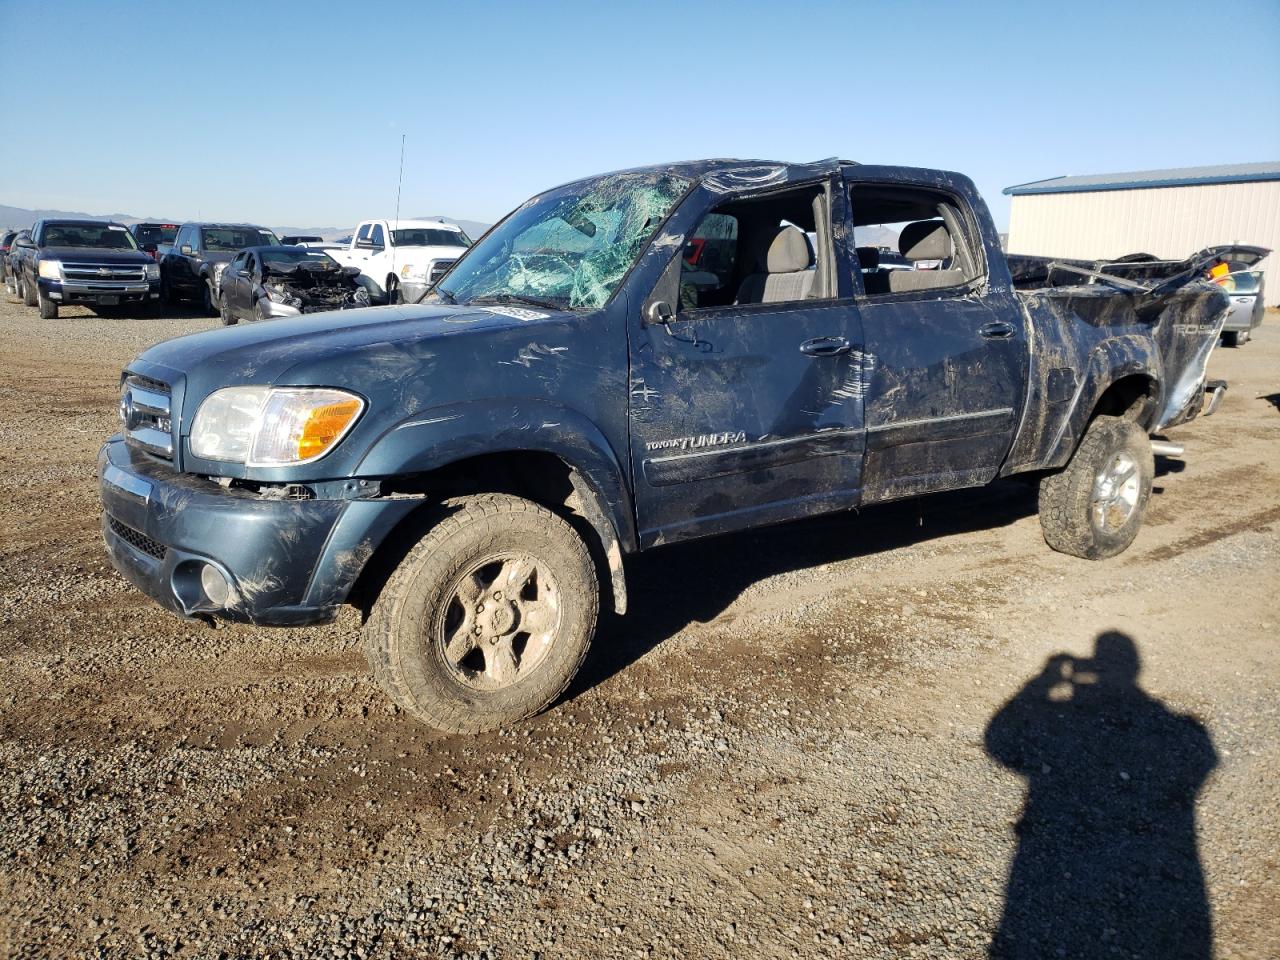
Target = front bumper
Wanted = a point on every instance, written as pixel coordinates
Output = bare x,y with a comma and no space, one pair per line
99,294
287,562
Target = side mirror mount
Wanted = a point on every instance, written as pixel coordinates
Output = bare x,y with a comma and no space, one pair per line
186,249
660,312
367,245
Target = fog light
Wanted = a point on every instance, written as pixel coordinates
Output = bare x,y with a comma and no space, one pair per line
215,585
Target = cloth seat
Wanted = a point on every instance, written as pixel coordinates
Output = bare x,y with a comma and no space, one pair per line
924,240
787,275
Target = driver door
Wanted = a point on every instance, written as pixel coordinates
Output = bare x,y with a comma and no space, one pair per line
747,409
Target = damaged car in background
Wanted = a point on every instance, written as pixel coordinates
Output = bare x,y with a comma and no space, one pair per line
472,471
262,283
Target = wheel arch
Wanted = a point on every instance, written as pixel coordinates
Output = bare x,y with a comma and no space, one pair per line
545,453
1121,378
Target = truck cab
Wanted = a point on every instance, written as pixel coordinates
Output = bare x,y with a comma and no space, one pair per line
403,257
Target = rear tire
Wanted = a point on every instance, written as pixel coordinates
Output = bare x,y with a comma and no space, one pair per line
1094,507
1231,339
451,648
48,309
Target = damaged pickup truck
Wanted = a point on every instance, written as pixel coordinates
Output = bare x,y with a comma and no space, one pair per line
471,471
263,283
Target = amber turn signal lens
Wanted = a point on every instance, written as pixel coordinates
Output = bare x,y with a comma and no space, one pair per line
325,425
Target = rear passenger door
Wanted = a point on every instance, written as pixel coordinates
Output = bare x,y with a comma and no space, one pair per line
947,347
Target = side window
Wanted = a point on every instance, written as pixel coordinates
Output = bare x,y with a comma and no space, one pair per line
912,240
363,233
237,263
377,237
709,258
184,237
766,249
250,263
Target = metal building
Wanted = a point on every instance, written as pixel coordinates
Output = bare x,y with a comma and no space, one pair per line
1168,213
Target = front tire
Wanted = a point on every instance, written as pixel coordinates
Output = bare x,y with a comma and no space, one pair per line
224,313
48,309
208,300
28,293
487,619
1094,507
393,290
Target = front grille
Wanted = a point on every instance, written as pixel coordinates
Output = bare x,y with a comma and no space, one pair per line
136,539
147,419
440,268
103,272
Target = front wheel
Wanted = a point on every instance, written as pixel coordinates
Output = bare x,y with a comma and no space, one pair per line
224,313
393,290
487,619
28,293
48,309
208,300
1094,507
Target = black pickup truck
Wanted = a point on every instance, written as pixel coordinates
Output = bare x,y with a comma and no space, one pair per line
582,384
92,263
191,268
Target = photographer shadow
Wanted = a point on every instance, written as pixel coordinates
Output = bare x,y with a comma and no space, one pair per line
1107,861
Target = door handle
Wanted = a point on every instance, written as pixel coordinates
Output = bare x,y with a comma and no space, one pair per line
825,346
996,330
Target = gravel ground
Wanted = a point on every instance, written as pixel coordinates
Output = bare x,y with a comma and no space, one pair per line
848,737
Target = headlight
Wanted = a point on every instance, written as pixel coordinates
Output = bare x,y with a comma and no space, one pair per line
51,269
153,271
413,271
272,426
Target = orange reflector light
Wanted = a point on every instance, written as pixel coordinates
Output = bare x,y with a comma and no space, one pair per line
325,425
1218,271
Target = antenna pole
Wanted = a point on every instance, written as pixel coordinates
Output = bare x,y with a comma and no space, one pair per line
399,184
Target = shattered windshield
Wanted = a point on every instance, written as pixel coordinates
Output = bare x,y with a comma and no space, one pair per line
570,247
289,258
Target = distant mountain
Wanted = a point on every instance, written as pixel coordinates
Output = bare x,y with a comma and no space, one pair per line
19,217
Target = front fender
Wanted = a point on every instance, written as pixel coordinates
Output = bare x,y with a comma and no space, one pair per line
437,437
1109,362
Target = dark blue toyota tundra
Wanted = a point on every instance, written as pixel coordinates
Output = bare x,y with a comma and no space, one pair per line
627,361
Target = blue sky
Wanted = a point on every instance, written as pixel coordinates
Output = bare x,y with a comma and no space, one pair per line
291,113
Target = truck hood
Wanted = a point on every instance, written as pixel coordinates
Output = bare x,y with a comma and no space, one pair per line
348,348
92,255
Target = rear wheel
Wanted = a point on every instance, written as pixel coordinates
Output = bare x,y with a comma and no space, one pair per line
1094,507
487,619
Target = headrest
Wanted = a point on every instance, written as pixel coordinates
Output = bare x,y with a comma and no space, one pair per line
925,240
869,258
789,252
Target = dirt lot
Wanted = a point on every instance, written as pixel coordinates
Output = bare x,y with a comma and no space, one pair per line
807,741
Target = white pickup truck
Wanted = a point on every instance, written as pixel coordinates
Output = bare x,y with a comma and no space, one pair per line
403,257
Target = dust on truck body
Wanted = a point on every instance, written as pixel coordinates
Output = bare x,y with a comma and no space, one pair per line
628,361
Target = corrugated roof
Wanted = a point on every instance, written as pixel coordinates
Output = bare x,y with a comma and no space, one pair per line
1145,179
